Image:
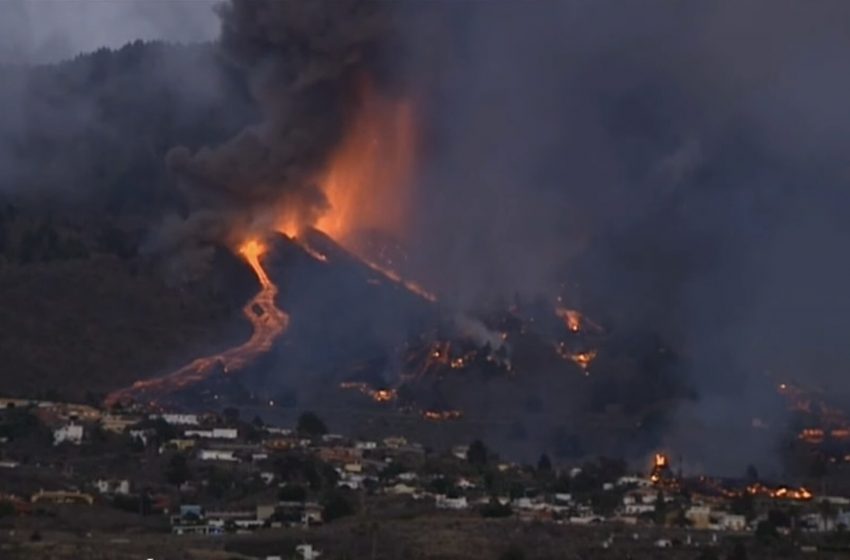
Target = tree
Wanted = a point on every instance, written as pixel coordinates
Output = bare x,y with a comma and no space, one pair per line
164,430
544,464
7,509
231,415
495,509
336,505
766,531
752,474
292,493
177,472
311,425
779,518
477,453
739,552
827,512
660,509
514,552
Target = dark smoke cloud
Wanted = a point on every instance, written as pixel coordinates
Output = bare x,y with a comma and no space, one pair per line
683,167
302,60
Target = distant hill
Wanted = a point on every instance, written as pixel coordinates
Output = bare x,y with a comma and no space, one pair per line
82,181
90,134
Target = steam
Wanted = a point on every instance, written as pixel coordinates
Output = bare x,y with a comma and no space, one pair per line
478,331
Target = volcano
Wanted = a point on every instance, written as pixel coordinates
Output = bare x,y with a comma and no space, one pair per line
371,355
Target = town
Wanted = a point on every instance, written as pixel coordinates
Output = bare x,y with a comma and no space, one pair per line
206,475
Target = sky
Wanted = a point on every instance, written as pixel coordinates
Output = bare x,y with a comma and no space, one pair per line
44,31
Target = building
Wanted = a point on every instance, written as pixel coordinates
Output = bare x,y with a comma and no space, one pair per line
217,455
699,516
62,497
70,433
401,489
215,433
118,423
181,419
444,502
307,552
113,486
732,522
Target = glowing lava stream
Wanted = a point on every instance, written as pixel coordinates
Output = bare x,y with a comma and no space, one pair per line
268,321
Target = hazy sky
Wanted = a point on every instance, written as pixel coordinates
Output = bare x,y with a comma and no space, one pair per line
50,30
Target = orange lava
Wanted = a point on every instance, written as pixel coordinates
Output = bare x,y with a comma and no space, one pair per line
268,321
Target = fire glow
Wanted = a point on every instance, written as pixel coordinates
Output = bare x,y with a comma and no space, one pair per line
377,395
367,180
369,174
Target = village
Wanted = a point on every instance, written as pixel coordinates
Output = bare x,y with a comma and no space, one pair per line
206,475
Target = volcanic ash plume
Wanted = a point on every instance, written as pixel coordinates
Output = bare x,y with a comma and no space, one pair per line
304,62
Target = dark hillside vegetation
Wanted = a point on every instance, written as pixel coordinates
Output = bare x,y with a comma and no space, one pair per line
83,182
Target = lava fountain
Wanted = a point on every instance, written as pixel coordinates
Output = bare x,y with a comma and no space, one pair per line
268,323
368,179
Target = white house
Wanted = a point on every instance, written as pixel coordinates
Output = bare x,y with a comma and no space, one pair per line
307,552
181,419
563,498
105,486
629,480
444,502
215,433
217,455
401,489
460,451
71,433
732,522
351,481
637,509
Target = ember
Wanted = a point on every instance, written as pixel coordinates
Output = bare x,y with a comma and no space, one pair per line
442,415
660,468
377,395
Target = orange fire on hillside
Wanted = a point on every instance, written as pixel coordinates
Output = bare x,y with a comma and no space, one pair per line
575,321
660,468
377,395
266,319
367,184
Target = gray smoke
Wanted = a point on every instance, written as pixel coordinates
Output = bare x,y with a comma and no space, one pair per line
681,166
302,61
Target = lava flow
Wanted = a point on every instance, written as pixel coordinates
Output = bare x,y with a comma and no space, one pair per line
267,320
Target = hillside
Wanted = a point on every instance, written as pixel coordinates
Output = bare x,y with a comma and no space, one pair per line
83,183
